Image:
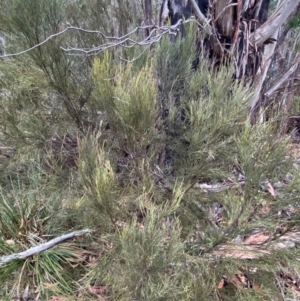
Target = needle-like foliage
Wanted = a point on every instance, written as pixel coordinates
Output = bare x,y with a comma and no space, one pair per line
186,198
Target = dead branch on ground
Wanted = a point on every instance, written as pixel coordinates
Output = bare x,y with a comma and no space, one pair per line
42,247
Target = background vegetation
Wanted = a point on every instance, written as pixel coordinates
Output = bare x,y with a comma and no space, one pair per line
186,200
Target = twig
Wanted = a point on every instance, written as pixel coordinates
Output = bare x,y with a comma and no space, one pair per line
42,247
37,45
127,41
113,41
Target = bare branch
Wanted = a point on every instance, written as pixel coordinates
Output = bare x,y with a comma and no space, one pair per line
126,41
137,57
37,45
40,248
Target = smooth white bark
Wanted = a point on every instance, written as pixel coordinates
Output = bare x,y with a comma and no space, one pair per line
42,247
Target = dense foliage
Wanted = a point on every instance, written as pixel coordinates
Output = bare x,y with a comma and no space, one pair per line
158,160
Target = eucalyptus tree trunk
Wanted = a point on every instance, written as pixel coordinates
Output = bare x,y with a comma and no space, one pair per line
148,15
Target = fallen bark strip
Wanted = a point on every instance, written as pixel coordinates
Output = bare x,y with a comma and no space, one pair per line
216,187
257,245
42,247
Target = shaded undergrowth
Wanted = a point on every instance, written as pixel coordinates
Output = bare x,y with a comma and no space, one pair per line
139,151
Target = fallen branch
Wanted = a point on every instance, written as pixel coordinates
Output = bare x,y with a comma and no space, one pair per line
40,248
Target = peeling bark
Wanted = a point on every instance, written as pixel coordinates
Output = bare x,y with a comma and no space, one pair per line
269,28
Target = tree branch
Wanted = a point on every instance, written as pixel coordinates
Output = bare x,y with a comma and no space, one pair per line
126,41
40,248
37,45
